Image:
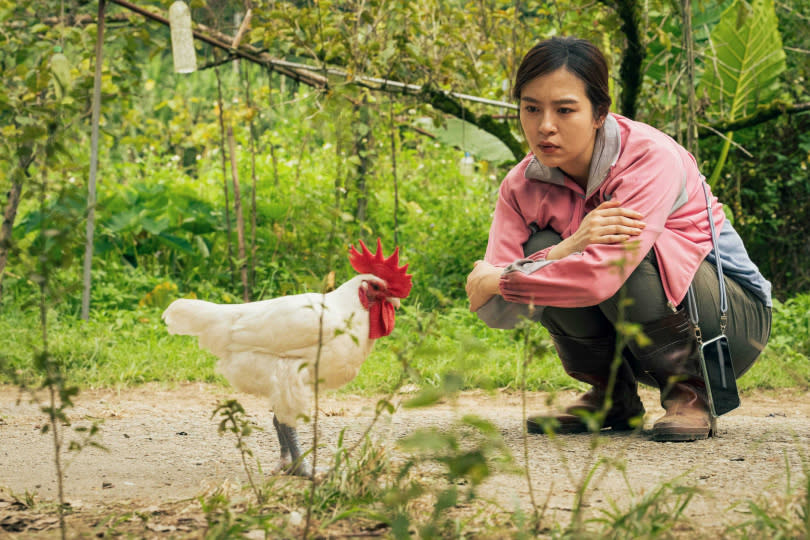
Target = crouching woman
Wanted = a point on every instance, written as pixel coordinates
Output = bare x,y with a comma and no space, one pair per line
605,208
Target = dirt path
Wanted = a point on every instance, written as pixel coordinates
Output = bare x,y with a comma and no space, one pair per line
164,447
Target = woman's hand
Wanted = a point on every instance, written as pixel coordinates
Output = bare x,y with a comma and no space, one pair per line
608,223
482,284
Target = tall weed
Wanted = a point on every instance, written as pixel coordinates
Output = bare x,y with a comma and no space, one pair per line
785,362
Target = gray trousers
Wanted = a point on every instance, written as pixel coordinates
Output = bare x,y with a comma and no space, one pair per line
749,320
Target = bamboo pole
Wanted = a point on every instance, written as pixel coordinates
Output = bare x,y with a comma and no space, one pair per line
240,219
221,106
252,134
91,185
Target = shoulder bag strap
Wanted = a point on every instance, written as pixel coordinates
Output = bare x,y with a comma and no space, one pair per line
690,295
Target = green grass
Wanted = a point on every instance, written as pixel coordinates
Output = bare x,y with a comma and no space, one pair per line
785,363
453,341
121,349
127,348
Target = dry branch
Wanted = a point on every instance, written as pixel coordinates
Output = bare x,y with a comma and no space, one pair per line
763,114
318,78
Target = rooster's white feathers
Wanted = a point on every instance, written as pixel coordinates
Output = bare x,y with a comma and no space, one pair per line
270,347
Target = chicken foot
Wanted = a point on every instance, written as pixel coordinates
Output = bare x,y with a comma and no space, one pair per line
291,461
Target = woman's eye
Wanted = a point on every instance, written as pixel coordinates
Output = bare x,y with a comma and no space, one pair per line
565,110
530,109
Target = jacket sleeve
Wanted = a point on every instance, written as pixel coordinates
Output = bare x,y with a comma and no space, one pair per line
508,231
650,184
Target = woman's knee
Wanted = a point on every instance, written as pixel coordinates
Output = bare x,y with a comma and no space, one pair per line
584,322
642,298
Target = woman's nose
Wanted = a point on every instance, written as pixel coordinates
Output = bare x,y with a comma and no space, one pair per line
547,124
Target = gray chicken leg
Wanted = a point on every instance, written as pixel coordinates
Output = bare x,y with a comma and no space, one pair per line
291,460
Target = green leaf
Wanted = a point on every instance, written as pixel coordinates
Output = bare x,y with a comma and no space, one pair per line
472,465
446,499
469,138
428,396
400,527
745,58
123,221
181,244
429,440
484,426
155,226
202,247
385,405
60,67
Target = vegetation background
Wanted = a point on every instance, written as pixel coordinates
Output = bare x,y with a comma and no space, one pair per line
249,178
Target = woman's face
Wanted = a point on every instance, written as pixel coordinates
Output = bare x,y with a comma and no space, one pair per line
558,121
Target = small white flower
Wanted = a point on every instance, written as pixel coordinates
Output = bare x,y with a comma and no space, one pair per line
295,518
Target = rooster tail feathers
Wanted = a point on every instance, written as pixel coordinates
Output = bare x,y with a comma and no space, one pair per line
190,317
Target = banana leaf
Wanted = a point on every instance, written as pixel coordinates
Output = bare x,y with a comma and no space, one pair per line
742,67
469,138
743,61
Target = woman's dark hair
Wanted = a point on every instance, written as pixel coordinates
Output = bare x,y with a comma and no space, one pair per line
579,56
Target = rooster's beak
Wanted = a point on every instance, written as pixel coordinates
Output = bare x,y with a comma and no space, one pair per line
394,301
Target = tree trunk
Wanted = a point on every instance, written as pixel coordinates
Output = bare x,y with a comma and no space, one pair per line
9,215
240,219
630,69
691,108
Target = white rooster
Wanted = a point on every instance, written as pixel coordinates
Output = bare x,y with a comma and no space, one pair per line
270,347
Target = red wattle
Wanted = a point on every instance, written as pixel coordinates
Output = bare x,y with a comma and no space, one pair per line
381,317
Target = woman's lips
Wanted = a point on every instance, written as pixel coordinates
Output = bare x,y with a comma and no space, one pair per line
548,148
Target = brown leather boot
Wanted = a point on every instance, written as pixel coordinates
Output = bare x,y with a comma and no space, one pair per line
589,360
673,361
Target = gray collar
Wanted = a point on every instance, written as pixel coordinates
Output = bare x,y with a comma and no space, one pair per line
605,153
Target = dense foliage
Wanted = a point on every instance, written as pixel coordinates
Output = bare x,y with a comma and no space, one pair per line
768,187
321,167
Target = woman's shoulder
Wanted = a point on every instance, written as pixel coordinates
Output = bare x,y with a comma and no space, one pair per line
643,141
637,132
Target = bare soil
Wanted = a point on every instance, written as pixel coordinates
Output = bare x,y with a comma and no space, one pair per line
164,451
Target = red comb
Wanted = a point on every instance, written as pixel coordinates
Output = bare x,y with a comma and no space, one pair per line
399,283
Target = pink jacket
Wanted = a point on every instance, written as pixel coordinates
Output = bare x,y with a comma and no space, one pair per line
632,162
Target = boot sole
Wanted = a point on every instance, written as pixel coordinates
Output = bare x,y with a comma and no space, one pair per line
682,435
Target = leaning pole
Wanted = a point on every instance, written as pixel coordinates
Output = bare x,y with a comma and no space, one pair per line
91,184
